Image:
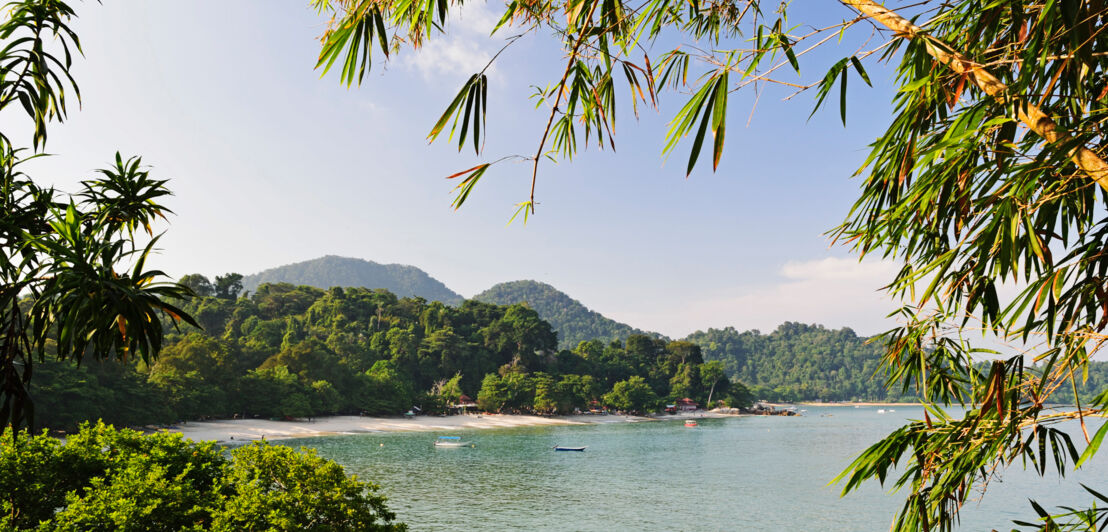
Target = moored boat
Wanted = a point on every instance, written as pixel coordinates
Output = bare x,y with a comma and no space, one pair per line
690,423
452,441
563,448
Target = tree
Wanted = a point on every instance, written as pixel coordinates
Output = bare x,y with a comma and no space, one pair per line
449,390
273,392
547,397
710,375
71,268
737,395
389,391
685,382
522,335
577,391
272,487
228,286
492,396
101,478
325,399
632,395
991,172
199,284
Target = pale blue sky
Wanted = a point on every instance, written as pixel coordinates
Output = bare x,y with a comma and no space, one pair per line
271,164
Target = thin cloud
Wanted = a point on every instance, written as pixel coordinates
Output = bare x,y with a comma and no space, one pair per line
839,269
451,56
467,49
835,292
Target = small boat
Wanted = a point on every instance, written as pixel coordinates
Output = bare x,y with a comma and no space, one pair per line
881,411
578,449
452,441
690,423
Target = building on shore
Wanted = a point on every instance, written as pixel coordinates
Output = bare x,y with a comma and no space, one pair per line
686,405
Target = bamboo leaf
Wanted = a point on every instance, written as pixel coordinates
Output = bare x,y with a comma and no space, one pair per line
467,184
706,118
1093,446
789,54
825,85
450,110
719,120
525,208
842,97
861,71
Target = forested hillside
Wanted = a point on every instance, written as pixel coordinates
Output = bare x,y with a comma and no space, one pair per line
574,322
799,362
328,271
294,351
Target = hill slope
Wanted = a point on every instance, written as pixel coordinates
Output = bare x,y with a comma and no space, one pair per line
573,321
799,362
328,271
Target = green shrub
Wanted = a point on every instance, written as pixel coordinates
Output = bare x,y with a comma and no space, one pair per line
107,479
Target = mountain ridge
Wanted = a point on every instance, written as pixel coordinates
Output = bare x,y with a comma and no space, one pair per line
332,270
573,320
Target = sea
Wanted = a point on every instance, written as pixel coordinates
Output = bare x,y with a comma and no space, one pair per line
737,473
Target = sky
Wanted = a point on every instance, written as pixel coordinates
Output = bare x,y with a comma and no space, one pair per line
271,164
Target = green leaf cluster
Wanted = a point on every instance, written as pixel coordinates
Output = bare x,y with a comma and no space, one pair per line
101,478
74,282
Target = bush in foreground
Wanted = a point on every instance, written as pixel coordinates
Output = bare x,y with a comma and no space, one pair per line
107,479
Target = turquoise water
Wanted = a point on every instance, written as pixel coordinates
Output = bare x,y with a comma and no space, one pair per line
748,473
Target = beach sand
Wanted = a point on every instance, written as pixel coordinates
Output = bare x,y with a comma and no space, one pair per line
245,430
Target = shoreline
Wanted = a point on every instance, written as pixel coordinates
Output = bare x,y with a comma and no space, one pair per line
235,431
859,404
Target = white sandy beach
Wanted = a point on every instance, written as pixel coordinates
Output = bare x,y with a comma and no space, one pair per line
241,430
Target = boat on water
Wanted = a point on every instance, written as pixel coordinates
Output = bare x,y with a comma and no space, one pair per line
881,411
452,441
563,448
690,423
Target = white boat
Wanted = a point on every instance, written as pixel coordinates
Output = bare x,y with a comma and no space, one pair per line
452,441
881,411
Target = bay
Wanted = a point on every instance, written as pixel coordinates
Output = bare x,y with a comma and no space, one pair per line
743,473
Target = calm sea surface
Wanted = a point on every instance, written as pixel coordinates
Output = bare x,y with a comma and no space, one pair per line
747,473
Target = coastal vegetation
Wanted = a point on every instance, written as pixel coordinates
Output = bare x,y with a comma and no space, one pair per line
795,362
298,351
799,362
101,478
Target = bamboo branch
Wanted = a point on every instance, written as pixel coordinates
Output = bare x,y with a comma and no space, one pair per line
558,99
1030,114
